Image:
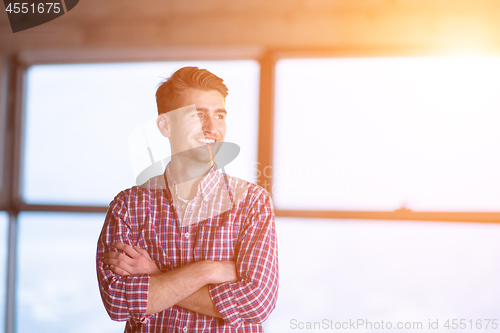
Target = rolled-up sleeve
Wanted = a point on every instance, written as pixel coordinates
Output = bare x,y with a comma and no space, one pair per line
254,296
125,298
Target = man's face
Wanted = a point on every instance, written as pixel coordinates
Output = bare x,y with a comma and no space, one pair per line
192,129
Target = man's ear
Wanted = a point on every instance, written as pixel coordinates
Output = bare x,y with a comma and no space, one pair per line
163,123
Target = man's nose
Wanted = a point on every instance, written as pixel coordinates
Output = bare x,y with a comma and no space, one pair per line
208,125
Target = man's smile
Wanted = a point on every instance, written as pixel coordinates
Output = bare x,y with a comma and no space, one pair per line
206,140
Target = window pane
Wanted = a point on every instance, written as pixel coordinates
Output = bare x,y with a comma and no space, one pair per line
382,133
88,127
57,283
3,266
343,270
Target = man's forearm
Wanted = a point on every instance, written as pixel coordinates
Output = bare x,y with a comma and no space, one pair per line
173,287
200,302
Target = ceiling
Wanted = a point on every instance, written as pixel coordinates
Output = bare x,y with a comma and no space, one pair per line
295,24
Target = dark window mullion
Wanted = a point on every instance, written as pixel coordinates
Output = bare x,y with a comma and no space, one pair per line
11,176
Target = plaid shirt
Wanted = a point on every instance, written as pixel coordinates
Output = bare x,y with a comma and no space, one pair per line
229,219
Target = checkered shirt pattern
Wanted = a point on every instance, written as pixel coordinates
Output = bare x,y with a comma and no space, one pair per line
234,220
205,206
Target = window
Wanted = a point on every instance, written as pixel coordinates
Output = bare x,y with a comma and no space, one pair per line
397,271
89,126
349,134
380,134
57,284
88,132
363,136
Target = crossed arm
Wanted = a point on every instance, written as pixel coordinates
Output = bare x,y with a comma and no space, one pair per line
185,286
244,291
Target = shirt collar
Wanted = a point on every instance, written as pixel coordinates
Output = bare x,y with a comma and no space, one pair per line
206,187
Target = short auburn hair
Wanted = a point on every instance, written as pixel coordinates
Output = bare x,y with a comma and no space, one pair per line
169,93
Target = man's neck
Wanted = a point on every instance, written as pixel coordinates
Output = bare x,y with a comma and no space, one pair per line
187,175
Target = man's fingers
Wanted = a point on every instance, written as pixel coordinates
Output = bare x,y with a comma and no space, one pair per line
142,252
112,254
119,257
118,270
118,263
129,250
135,261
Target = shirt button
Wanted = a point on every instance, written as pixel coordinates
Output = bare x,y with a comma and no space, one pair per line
185,329
187,236
183,206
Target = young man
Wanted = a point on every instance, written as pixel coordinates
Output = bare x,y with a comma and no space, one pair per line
193,249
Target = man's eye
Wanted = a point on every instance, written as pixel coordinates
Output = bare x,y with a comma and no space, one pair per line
219,116
199,115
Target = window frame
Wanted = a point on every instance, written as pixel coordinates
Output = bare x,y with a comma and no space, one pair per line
266,138
13,112
11,199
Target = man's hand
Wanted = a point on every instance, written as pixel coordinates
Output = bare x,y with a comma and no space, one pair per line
185,286
136,261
